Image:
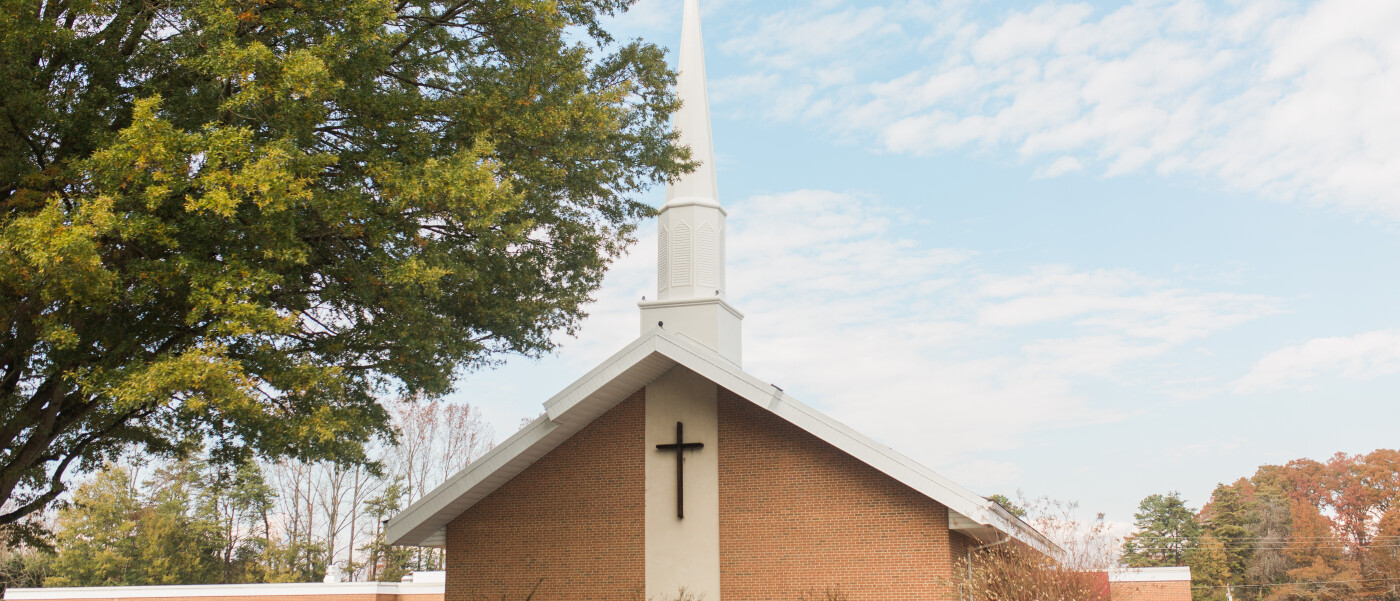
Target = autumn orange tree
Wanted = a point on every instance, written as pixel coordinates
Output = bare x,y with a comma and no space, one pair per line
1305,531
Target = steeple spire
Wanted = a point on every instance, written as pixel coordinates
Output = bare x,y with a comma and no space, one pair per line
693,119
690,274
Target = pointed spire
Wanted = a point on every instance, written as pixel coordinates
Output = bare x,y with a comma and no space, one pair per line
690,280
693,118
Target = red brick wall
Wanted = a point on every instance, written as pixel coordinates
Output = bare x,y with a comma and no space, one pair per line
1174,590
798,514
574,518
960,544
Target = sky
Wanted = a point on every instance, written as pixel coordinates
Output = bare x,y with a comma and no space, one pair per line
1091,251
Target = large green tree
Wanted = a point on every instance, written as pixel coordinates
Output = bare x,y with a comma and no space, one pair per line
238,222
1165,531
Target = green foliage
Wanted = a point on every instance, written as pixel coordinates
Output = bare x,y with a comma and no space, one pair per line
112,534
1305,531
387,563
1008,505
1165,529
1229,519
23,567
238,502
237,222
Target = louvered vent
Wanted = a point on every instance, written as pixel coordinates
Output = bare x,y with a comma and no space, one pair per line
723,259
705,250
663,260
681,256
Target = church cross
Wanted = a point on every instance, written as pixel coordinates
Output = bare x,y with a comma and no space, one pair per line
679,447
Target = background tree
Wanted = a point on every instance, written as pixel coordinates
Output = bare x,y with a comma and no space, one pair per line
384,562
1007,504
1226,521
113,534
1165,529
237,501
1210,570
239,222
23,567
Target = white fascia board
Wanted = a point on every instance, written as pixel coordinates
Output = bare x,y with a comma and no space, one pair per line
405,528
1167,574
224,590
422,522
582,388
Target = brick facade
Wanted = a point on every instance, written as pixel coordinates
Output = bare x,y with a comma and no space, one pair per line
1173,590
572,522
797,514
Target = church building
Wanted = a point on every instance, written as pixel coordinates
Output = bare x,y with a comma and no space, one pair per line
668,473
669,470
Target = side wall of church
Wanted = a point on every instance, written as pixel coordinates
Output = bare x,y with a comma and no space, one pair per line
799,515
961,544
571,523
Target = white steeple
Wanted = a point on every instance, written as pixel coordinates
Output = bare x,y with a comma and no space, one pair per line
693,119
691,226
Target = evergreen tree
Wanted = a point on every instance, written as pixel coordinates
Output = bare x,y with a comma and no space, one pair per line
1228,519
1210,570
1165,529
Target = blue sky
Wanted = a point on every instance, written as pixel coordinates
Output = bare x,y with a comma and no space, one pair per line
1091,251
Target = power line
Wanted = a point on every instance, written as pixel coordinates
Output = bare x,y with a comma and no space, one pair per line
1316,582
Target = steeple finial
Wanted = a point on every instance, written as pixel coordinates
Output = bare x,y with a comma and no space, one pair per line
690,278
693,118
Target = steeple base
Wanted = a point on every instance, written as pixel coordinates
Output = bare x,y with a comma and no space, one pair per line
708,321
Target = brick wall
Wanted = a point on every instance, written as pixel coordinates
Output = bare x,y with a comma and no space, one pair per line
574,519
960,544
1173,590
798,514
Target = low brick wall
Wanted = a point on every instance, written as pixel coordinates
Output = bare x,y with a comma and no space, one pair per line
1150,584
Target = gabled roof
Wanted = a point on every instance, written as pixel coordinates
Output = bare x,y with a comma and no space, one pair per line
653,354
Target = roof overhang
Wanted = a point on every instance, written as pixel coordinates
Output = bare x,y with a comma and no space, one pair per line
424,522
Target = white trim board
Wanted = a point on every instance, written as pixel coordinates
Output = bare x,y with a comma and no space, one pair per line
1167,574
632,368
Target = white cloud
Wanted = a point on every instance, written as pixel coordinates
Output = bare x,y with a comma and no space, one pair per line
989,476
924,348
1061,166
1359,357
1295,103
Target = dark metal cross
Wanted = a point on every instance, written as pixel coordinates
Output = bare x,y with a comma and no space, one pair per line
680,448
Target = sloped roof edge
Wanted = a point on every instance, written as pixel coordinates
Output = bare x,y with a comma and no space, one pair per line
634,367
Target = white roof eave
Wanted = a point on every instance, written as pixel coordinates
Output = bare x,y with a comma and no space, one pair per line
633,368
